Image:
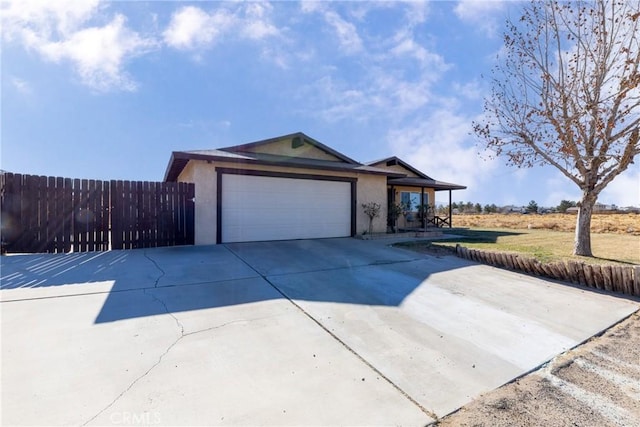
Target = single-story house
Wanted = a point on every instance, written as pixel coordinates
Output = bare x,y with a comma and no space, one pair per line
294,187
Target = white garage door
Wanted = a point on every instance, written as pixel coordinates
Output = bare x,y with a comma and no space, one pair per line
257,208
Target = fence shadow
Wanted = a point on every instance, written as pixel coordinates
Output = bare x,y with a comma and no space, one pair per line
45,270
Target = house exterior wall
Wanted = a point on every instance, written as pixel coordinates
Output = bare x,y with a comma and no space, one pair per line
204,176
369,188
283,148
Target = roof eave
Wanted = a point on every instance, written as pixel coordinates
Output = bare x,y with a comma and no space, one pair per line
436,185
179,160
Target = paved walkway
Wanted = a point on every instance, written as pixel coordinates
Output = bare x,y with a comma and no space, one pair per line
316,332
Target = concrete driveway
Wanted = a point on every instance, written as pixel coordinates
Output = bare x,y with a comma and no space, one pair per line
321,332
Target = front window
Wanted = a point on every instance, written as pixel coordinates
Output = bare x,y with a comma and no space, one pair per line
412,200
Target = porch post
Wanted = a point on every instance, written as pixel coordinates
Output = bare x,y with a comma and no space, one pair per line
450,213
392,201
424,211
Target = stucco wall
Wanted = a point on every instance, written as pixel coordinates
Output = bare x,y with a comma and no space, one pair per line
369,188
203,175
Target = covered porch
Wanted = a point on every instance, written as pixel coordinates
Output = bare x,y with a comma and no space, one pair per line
411,204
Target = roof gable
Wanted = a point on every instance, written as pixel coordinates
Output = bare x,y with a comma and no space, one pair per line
262,153
398,165
297,145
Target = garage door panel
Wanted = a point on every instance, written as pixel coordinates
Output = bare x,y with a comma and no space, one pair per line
256,208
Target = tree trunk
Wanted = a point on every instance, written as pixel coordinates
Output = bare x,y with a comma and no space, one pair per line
582,244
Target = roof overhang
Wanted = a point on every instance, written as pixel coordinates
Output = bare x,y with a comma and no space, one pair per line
426,183
180,159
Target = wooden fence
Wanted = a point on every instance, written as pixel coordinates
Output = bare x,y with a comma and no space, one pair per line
51,214
616,278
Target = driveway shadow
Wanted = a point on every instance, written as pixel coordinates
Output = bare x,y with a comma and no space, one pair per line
147,282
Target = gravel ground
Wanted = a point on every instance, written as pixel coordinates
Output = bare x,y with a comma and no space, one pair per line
596,384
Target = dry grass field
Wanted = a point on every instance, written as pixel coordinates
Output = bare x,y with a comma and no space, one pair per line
600,223
615,238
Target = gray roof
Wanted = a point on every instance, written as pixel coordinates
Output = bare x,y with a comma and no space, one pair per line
243,155
179,160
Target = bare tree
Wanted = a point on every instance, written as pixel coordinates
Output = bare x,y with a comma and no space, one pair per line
566,93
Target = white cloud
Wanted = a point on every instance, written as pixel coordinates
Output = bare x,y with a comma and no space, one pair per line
557,189
334,100
345,31
441,147
257,24
59,31
431,64
470,90
378,93
482,14
98,53
21,85
36,19
193,28
400,95
624,190
311,6
417,11
396,79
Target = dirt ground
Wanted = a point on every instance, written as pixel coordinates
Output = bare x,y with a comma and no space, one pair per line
596,384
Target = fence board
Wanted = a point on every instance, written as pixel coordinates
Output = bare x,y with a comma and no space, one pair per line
106,214
140,216
148,219
166,216
26,215
145,215
46,203
173,215
14,190
39,242
180,195
9,203
126,215
116,214
30,212
94,211
191,214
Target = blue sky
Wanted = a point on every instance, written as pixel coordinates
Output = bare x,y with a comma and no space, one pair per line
107,90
